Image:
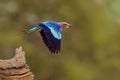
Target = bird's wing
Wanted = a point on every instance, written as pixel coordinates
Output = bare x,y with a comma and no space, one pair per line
52,43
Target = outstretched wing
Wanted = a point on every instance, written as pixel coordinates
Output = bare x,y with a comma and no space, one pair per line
52,43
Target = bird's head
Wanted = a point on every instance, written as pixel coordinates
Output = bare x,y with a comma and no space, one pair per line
64,25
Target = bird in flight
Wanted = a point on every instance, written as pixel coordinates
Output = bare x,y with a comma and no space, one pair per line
51,33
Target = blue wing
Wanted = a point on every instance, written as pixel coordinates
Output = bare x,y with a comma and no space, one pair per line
50,40
55,29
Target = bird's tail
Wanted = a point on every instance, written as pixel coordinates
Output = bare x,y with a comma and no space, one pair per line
37,27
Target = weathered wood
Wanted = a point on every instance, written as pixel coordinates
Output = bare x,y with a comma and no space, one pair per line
15,68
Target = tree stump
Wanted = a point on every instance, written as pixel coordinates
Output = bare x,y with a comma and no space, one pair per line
15,68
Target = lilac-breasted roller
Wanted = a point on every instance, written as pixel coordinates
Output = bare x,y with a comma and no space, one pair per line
51,33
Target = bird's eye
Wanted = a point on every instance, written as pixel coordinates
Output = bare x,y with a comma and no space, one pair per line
65,24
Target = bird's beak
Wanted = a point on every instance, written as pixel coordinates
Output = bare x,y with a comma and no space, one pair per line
70,25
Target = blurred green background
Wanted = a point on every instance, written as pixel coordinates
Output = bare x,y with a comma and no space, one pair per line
90,49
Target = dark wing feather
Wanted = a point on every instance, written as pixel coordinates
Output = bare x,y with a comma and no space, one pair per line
50,41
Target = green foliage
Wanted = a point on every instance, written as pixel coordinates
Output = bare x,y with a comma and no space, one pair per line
90,49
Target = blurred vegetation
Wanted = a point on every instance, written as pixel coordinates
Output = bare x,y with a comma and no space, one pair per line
90,49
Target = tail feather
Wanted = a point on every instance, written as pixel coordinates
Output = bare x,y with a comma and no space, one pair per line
33,29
